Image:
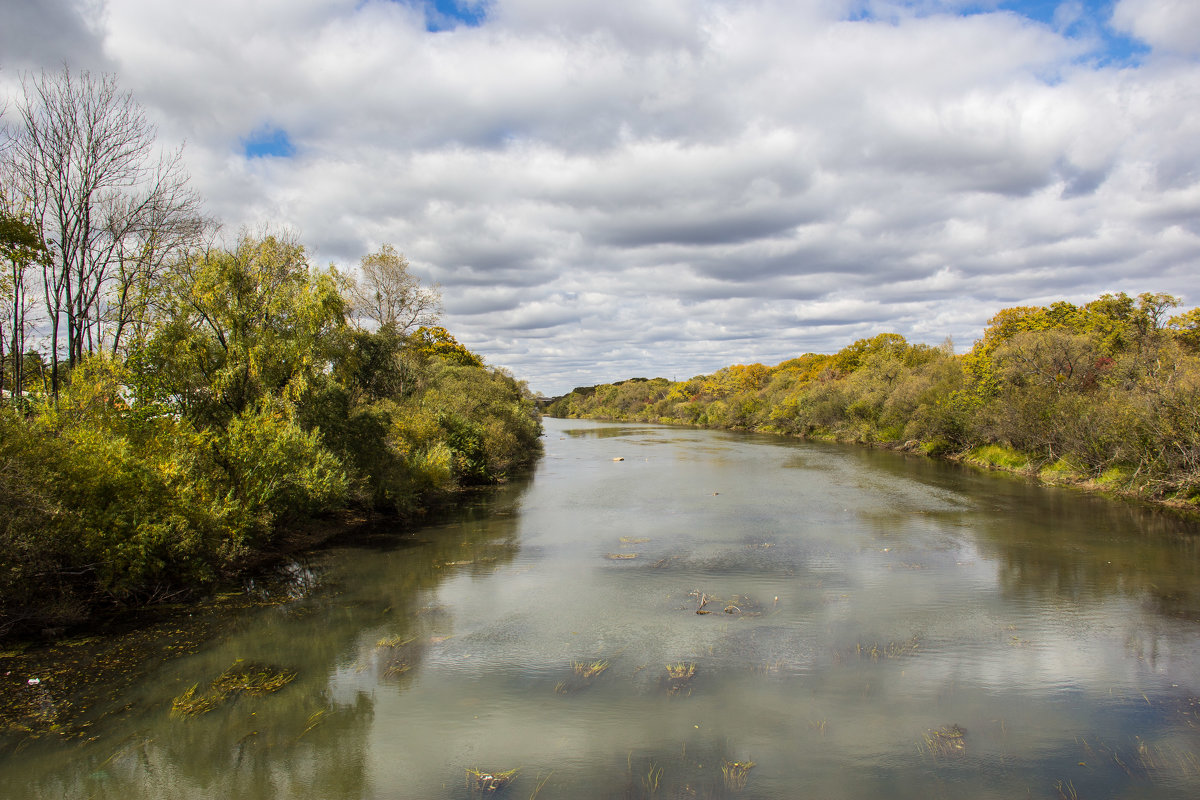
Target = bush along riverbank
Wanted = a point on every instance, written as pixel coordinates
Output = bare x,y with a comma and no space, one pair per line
244,406
1105,395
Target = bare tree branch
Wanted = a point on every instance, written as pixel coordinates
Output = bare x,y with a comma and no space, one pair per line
110,212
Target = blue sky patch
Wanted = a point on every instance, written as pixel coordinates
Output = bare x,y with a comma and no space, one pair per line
446,15
268,143
1077,19
1080,19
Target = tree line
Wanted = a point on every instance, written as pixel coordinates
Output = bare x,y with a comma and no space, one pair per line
175,404
1106,393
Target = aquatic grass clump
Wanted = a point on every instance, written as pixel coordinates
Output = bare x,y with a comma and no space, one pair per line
588,671
489,782
396,669
877,652
392,642
242,678
253,678
679,677
620,556
634,540
191,704
947,741
652,779
583,673
1165,760
736,773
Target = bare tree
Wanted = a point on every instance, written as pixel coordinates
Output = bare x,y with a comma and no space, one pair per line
147,233
107,205
390,295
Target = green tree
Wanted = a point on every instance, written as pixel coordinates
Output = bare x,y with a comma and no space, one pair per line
436,342
246,324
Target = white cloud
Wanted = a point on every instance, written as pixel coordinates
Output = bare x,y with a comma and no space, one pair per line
666,187
1170,25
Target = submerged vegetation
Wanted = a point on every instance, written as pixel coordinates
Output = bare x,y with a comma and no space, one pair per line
679,677
947,741
736,773
1106,394
241,678
489,782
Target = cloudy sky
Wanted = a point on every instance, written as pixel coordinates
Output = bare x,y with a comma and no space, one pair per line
617,188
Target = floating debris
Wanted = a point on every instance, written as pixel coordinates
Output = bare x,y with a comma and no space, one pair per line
948,741
744,606
618,458
634,540
736,773
620,556
489,782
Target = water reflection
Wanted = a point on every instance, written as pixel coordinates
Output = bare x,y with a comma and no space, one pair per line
361,606
853,623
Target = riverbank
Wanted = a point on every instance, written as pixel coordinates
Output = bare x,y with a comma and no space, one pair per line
1101,396
64,682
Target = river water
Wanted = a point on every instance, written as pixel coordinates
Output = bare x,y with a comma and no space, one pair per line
875,625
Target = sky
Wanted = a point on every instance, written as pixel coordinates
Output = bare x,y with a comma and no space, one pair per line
647,188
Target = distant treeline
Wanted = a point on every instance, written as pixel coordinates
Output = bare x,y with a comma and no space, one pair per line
1106,393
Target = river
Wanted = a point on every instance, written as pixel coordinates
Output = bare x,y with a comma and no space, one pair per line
656,609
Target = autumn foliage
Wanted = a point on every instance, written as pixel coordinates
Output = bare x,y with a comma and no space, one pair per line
1107,392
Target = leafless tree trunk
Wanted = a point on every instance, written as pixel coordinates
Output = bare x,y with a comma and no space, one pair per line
20,249
107,206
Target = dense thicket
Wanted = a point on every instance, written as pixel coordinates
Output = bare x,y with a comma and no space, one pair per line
170,408
248,404
1108,392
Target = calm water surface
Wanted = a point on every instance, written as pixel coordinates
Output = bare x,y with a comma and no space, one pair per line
881,626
